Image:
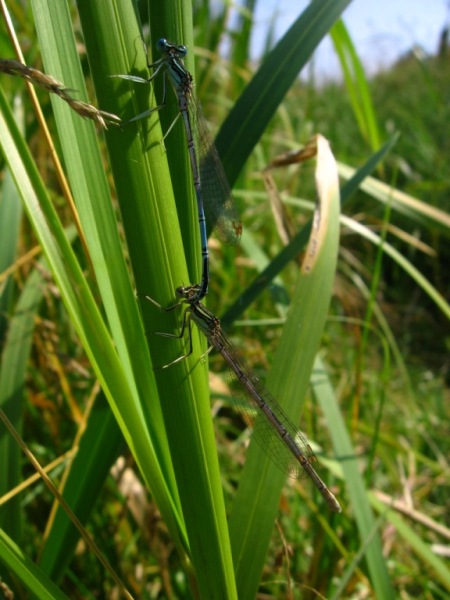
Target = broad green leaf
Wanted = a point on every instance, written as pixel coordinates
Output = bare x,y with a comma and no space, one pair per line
257,105
256,503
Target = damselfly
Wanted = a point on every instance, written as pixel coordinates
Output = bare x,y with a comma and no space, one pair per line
273,430
209,179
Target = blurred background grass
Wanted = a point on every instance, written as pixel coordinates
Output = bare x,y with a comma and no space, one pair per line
394,395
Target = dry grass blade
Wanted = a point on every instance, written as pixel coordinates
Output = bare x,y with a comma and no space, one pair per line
13,67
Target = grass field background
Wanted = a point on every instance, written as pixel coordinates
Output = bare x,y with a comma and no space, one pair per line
155,463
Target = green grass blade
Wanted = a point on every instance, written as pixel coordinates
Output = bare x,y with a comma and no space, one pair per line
356,83
415,542
70,279
356,489
13,371
418,211
256,106
407,266
33,578
151,224
256,503
145,432
10,213
14,353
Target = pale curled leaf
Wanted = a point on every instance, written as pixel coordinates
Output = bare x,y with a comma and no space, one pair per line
327,185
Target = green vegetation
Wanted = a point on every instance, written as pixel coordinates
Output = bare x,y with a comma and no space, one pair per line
135,449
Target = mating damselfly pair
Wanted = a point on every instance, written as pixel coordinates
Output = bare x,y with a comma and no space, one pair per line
273,429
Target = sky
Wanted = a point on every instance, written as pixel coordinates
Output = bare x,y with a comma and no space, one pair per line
382,31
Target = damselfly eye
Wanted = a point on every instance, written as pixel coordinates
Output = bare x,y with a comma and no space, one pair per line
161,44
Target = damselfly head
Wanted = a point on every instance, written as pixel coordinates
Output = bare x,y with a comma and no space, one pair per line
187,292
166,47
